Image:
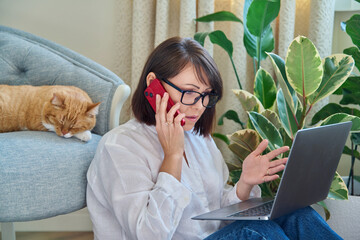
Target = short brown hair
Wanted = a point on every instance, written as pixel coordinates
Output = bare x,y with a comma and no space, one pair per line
168,60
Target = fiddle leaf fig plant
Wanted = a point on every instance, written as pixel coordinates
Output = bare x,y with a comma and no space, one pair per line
304,79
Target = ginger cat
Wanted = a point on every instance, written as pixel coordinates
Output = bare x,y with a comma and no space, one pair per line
68,111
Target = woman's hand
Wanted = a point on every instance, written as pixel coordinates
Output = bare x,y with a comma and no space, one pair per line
171,136
257,169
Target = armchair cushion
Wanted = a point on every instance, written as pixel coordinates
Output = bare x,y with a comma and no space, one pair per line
43,174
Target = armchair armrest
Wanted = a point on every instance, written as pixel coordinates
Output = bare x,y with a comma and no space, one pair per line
121,94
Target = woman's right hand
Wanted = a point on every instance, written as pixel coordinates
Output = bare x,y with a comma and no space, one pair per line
258,168
171,136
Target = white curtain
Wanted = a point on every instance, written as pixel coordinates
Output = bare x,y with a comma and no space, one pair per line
142,25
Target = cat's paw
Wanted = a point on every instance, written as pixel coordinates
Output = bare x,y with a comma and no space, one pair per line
68,135
83,136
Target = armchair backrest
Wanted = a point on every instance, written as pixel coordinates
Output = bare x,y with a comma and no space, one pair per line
26,59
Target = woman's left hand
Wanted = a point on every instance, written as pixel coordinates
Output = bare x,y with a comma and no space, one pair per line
257,169
171,136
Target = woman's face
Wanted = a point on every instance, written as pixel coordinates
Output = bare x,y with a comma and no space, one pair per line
188,80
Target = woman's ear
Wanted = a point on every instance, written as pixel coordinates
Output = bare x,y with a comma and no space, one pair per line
151,76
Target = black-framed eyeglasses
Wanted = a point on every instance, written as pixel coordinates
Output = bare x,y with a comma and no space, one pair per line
189,97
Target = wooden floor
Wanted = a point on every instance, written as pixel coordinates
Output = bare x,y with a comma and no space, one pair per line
54,236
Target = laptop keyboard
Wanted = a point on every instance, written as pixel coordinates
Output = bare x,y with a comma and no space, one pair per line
261,210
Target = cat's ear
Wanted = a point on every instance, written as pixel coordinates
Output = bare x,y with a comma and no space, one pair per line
57,100
93,109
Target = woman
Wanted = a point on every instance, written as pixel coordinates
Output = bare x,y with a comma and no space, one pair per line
151,175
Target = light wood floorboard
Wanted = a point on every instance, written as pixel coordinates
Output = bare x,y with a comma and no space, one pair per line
54,236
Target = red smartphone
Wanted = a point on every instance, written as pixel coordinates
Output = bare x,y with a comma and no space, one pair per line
154,88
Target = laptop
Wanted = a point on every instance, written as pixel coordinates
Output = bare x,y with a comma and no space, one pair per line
306,179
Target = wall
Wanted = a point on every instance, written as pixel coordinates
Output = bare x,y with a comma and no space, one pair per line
88,27
85,26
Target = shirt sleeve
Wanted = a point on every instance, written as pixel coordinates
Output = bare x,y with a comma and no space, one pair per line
146,207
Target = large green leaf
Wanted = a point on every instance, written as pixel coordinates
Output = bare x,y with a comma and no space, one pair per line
355,138
231,115
235,176
303,66
266,45
272,117
260,14
233,164
266,190
338,189
216,37
287,117
352,28
350,91
355,53
350,97
357,178
343,117
265,88
266,130
251,42
222,137
279,67
350,152
337,68
200,37
326,210
219,38
287,141
219,16
333,108
243,142
248,101
352,84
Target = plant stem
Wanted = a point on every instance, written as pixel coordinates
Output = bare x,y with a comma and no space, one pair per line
351,174
236,74
254,65
242,126
258,51
309,110
303,114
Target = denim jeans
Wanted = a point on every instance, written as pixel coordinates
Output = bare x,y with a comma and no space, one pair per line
302,224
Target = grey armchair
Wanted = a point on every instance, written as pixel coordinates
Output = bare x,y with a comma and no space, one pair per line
41,174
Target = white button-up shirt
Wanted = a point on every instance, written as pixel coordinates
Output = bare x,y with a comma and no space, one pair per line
128,198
